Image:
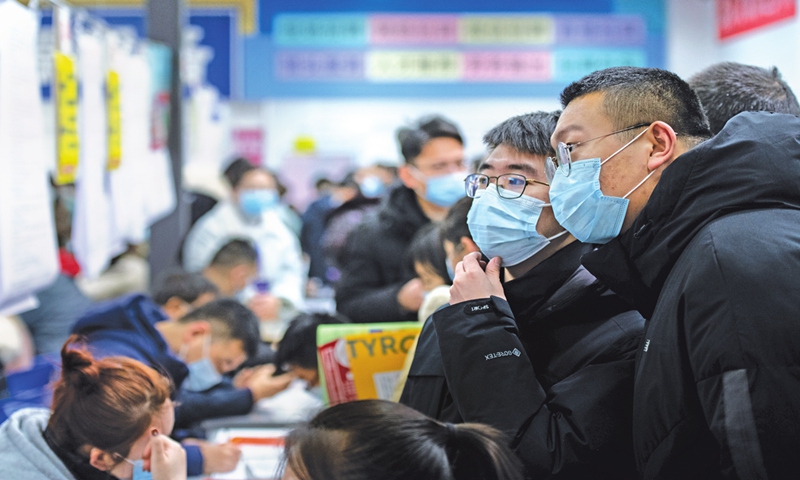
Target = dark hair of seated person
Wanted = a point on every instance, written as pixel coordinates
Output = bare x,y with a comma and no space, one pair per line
229,319
181,284
377,439
299,344
106,404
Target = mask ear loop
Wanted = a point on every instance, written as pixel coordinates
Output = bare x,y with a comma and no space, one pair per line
624,146
207,345
639,184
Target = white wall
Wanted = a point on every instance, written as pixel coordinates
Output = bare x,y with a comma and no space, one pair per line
692,42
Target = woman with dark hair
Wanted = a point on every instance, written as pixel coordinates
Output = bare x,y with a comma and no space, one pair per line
110,419
376,439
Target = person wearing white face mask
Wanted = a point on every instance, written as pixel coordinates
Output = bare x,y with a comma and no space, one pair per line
548,347
378,281
251,214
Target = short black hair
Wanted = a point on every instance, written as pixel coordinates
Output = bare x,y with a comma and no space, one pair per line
179,283
229,320
529,133
299,344
236,170
413,139
727,89
235,252
426,248
635,95
454,226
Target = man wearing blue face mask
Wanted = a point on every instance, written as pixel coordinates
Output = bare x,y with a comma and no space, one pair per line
703,234
251,214
378,280
546,355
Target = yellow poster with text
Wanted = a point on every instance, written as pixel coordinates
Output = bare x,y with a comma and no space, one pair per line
114,121
376,360
66,102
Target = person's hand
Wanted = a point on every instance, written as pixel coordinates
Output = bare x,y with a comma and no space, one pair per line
263,385
266,306
167,458
472,282
411,295
217,458
244,376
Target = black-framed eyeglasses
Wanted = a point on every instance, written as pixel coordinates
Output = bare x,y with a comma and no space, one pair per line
509,185
563,150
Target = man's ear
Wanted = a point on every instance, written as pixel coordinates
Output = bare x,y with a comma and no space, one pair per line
195,329
101,460
468,245
175,308
664,145
408,179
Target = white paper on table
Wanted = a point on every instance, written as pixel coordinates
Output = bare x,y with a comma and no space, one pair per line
17,306
257,461
28,259
93,237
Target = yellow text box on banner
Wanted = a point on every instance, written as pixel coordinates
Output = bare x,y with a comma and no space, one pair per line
66,101
525,30
405,66
114,121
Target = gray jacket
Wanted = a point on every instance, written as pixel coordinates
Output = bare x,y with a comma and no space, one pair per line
24,454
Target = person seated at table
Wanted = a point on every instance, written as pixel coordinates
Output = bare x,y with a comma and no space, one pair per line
109,419
371,439
297,350
233,267
195,351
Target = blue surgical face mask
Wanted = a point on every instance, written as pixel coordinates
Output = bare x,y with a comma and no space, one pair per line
506,228
202,373
581,207
138,470
451,272
257,201
444,190
372,186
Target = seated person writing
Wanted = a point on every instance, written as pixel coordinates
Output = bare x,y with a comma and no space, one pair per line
110,419
194,351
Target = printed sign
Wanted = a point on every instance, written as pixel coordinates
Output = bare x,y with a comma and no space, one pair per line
413,65
522,29
66,101
114,119
739,16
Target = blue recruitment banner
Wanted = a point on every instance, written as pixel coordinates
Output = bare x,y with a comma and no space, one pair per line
313,48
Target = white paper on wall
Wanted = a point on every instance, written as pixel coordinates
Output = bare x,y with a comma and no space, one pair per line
93,237
28,259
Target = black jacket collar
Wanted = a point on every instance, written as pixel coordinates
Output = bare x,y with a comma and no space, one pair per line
753,163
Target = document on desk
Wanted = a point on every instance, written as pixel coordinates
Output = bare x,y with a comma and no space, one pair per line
28,247
262,452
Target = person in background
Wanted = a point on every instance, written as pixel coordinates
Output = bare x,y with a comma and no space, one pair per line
233,267
702,233
127,273
177,292
548,347
727,89
251,214
378,283
110,419
456,238
314,224
297,350
430,264
370,439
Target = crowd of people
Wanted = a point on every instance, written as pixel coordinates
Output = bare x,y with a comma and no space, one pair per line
607,294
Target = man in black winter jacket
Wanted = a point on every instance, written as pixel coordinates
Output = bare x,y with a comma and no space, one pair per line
547,356
378,282
708,246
